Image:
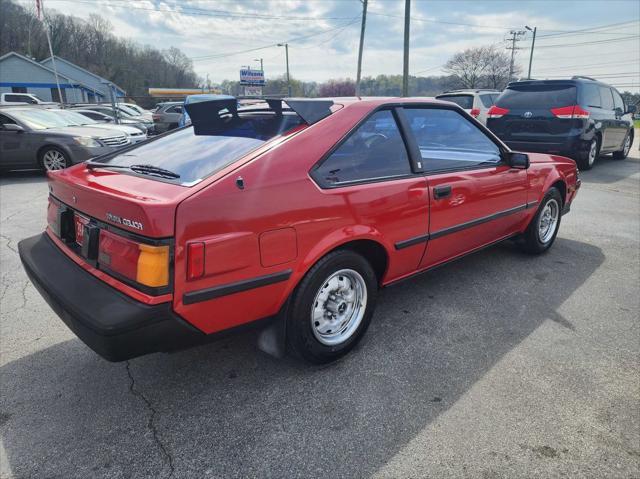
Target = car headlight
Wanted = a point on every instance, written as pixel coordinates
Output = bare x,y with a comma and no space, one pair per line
87,141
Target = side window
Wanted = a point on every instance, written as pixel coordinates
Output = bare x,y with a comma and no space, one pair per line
5,120
618,103
447,140
606,98
15,98
374,151
488,100
174,109
591,96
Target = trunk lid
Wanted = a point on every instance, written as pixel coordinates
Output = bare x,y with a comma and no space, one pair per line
129,202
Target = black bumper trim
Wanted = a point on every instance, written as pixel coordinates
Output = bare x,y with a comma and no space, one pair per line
111,323
226,289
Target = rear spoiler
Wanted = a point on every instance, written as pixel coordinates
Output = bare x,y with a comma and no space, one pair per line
210,114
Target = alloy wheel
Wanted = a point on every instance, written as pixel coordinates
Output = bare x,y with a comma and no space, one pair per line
54,160
548,221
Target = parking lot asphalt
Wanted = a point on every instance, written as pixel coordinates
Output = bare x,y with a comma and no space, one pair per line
499,365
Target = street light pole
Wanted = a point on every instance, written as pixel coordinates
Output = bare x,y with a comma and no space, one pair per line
286,52
261,64
364,22
533,44
405,69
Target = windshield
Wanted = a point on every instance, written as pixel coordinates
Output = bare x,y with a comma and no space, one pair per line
127,110
40,119
465,101
76,118
196,156
537,96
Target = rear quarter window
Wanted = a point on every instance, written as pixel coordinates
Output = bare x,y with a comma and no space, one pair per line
538,96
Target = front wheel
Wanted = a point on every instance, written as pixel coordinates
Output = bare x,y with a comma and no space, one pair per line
543,229
626,147
53,159
332,307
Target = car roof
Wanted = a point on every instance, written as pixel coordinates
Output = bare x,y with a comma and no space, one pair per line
575,80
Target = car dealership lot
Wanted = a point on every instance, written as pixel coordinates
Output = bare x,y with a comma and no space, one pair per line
498,365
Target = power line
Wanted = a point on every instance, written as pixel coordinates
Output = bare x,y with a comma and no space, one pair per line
594,42
223,55
567,67
589,30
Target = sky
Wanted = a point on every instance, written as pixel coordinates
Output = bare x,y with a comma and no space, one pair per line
323,35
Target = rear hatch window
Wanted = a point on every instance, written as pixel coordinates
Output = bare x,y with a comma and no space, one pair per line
526,113
537,96
186,158
465,101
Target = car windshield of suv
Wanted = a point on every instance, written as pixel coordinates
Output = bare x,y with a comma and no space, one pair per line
196,156
465,101
538,96
39,119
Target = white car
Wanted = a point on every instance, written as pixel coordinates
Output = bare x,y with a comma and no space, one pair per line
76,119
475,102
138,109
24,99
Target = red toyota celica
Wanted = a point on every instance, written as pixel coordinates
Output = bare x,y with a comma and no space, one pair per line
289,214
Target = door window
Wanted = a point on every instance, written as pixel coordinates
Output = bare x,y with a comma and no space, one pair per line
374,151
606,98
174,109
447,140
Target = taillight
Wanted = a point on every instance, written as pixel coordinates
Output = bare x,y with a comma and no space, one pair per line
475,112
195,260
496,112
145,264
155,117
573,111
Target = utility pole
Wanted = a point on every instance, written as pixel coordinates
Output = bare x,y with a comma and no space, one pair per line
515,36
533,44
364,22
405,68
40,10
286,52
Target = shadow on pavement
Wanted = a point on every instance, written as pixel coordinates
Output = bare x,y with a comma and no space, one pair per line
227,410
22,177
607,170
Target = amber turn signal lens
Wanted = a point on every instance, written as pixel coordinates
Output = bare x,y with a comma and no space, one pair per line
153,266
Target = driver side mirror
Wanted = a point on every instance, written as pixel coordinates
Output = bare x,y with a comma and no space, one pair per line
12,127
518,160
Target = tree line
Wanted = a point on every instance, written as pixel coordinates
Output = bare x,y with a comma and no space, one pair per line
92,45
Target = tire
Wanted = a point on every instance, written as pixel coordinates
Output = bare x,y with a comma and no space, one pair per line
626,147
587,159
538,239
343,285
53,159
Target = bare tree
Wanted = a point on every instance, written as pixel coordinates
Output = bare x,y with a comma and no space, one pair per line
468,66
481,67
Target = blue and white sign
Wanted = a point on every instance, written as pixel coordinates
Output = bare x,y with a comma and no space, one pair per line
249,76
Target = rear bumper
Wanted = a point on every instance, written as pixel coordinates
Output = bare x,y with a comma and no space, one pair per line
570,146
114,325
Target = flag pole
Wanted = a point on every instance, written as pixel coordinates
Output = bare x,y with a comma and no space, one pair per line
40,10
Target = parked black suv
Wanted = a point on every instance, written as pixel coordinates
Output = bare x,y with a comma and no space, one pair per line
580,118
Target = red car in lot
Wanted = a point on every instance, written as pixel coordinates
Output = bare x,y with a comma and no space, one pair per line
294,211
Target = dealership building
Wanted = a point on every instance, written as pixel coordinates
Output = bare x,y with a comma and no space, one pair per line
20,74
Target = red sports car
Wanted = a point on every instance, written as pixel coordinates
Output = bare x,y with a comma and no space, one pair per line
291,211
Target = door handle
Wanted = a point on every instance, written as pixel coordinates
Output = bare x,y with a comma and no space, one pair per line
442,191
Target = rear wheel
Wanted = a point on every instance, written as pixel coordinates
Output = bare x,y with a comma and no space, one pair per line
332,307
626,147
586,159
543,229
53,159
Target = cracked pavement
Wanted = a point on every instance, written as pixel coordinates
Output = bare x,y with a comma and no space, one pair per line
500,365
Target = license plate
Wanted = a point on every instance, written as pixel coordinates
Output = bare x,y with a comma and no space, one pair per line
80,222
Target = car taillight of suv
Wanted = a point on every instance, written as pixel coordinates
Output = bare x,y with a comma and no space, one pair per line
574,111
